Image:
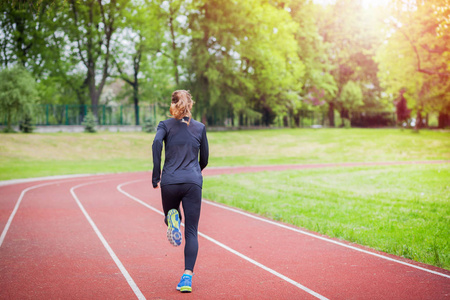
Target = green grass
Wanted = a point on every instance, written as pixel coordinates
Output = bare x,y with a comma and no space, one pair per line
37,155
287,146
403,210
33,155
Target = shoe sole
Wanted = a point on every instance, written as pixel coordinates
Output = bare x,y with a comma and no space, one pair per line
173,230
186,289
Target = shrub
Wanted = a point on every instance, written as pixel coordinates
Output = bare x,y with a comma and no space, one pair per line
149,125
89,122
17,93
25,126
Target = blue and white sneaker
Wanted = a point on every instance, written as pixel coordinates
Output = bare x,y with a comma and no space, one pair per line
185,285
173,229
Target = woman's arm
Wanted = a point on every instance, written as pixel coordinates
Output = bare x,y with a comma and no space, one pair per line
156,150
204,150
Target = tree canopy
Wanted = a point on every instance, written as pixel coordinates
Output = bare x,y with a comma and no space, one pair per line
247,61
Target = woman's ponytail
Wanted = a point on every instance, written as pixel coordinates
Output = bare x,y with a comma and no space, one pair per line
181,105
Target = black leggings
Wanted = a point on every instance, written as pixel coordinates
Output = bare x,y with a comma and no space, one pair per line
190,195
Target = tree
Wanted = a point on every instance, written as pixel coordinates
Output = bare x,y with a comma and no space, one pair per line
143,37
350,99
319,85
244,59
415,56
25,27
351,39
17,93
403,113
91,26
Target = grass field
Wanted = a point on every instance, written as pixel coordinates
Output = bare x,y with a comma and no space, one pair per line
23,156
402,210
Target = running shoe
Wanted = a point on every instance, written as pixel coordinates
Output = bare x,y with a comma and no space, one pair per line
185,285
173,229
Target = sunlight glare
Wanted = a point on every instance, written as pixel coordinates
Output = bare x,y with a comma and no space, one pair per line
366,3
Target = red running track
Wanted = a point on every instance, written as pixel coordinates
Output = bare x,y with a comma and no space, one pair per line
103,237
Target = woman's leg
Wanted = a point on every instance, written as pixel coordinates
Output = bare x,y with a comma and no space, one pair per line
192,201
171,198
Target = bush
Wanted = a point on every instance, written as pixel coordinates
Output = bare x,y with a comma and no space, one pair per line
89,122
25,126
18,93
8,130
149,125
346,123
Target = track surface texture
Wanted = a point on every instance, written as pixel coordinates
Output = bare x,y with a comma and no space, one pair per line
103,237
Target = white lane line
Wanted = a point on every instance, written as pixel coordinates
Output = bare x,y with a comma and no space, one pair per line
46,178
304,288
119,264
324,239
16,207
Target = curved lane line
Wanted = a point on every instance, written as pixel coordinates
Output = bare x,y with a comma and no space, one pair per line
16,207
300,286
324,238
119,264
313,235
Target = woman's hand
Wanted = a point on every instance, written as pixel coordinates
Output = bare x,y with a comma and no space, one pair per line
156,187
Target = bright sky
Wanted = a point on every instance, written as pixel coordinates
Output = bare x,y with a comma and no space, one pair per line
365,2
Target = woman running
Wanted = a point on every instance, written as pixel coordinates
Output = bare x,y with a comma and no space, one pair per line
181,179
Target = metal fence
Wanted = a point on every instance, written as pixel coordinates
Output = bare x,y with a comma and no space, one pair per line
73,114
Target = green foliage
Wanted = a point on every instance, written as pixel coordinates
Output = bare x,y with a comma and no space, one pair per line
414,60
89,122
244,58
149,125
350,38
25,126
249,59
17,93
350,99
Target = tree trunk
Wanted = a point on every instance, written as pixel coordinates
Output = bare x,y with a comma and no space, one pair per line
94,98
8,122
344,115
297,119
136,101
418,124
331,113
443,120
93,92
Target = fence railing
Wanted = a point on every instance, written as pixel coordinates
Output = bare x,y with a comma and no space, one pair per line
73,114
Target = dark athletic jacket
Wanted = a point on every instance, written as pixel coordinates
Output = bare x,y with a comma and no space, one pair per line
182,146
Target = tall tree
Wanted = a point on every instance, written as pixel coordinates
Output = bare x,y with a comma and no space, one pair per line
415,57
318,82
24,29
244,58
91,26
349,32
17,92
142,35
